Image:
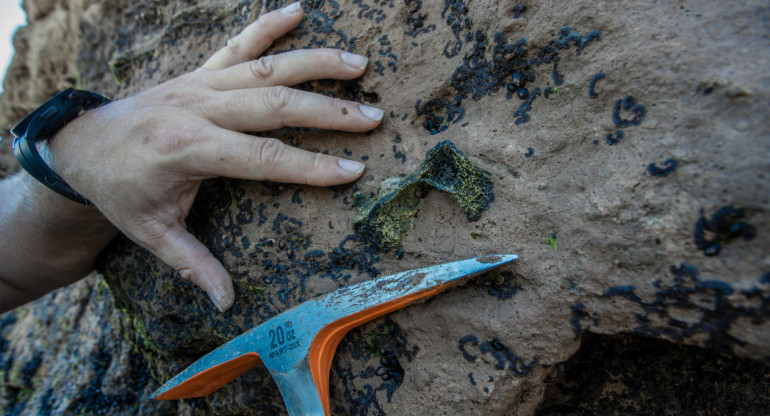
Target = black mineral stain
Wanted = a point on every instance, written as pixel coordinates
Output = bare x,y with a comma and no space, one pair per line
500,352
669,168
384,219
708,298
724,226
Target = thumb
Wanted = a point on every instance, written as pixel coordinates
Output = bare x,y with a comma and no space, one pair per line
180,250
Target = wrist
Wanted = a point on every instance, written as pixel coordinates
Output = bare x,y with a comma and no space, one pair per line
50,236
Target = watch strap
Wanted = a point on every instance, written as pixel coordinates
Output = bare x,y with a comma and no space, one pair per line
43,124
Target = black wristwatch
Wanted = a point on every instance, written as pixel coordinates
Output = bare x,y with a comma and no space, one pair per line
43,124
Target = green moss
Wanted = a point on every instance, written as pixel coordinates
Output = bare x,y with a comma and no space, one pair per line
551,241
256,291
233,200
154,269
371,344
385,218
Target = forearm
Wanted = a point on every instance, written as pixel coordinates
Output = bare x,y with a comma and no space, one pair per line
47,241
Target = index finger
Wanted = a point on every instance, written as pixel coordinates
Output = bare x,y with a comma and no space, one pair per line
256,38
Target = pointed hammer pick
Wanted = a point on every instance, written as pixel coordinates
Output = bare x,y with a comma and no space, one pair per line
298,346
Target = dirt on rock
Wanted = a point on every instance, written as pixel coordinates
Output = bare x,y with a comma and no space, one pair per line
623,139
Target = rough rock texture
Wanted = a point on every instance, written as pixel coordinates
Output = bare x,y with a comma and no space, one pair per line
609,245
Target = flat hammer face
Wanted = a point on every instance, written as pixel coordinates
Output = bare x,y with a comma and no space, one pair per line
298,346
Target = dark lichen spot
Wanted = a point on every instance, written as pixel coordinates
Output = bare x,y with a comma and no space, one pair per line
713,314
765,279
399,155
388,342
628,104
435,123
465,340
578,314
518,9
384,218
567,37
592,84
724,226
295,198
415,21
623,291
669,167
480,75
614,138
530,152
500,285
521,112
500,352
715,285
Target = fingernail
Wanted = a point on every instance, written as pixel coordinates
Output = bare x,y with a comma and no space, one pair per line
351,166
214,301
291,9
371,112
356,61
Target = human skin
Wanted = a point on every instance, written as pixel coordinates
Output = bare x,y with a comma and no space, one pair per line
141,160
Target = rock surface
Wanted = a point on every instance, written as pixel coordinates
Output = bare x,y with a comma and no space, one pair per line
609,245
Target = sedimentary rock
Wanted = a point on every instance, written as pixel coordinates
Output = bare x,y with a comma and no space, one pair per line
614,134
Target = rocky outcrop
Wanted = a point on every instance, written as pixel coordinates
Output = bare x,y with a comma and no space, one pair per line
624,140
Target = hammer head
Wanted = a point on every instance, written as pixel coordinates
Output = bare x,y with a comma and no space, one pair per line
298,346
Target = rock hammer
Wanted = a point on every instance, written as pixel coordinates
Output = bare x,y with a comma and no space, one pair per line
298,345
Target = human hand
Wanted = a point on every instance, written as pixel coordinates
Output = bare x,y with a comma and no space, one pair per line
141,160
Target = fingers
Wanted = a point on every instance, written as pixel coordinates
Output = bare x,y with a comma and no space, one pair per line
180,250
263,109
256,38
289,68
238,155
